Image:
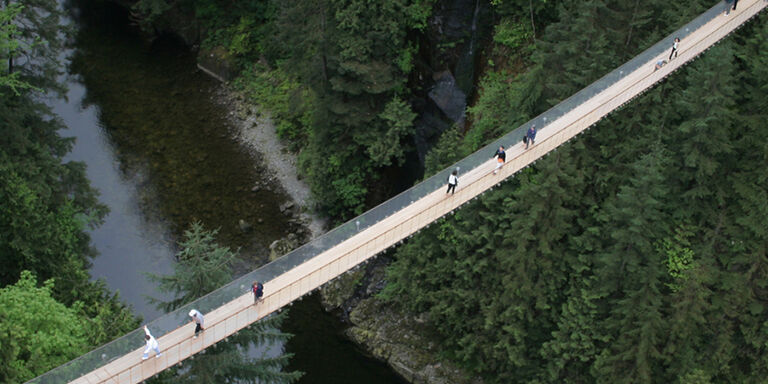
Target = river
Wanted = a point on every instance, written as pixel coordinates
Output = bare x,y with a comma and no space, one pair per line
163,154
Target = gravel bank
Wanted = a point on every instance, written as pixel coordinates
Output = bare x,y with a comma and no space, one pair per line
254,128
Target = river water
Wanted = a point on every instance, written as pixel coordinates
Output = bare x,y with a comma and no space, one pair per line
162,154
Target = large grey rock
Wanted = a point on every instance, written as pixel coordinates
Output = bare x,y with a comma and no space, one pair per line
448,97
404,343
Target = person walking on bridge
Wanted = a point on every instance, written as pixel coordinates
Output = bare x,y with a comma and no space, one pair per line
258,291
151,344
501,157
674,48
453,181
531,136
198,319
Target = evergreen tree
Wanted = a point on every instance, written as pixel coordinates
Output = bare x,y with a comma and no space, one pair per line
202,267
46,204
355,55
630,276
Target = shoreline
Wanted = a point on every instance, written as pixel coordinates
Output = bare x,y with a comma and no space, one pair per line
256,131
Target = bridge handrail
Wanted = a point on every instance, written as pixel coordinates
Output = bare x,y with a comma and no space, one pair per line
172,320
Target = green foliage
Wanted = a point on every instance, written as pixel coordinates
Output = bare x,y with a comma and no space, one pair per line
9,47
511,34
202,266
35,33
289,102
38,332
679,255
46,204
445,152
353,55
150,10
696,377
633,254
398,117
225,361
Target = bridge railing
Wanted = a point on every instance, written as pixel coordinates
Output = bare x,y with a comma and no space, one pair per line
171,321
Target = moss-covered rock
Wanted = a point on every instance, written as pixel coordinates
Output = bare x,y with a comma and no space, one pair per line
338,292
404,342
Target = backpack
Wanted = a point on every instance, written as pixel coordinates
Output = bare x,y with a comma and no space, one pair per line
525,139
258,290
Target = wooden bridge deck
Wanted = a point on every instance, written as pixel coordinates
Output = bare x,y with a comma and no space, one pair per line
239,313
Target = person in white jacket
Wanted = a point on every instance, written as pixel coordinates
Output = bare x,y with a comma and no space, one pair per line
151,344
197,317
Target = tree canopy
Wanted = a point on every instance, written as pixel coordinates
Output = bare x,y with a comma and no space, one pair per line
633,253
202,267
38,332
46,206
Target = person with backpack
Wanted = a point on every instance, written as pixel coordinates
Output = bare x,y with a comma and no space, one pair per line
501,157
258,291
531,135
197,318
453,181
151,344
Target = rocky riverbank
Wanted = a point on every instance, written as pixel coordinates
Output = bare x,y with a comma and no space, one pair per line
403,341
255,130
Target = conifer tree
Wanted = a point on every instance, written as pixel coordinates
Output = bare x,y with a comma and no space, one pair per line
630,276
356,57
202,267
46,203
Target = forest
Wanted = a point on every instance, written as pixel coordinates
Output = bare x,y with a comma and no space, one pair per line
636,253
50,309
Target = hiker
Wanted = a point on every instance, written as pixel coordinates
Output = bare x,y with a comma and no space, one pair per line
198,319
659,64
531,135
258,291
453,181
500,156
674,48
151,344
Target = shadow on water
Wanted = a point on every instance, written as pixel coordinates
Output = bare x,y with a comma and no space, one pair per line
162,153
325,353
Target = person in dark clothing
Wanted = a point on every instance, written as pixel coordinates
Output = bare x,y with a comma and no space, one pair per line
674,48
258,291
501,157
734,4
531,135
453,181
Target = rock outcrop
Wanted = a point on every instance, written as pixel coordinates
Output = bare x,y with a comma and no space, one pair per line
405,342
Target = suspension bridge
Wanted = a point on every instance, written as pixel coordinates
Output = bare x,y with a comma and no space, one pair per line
231,308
